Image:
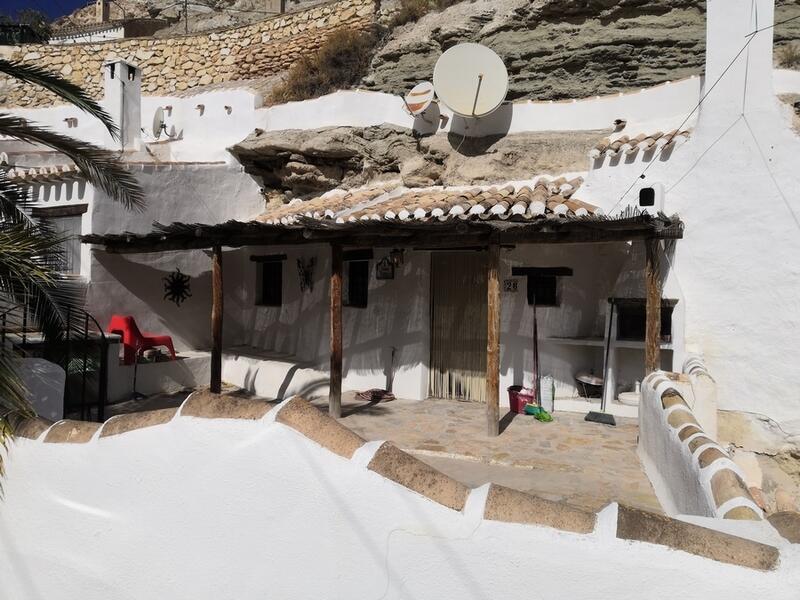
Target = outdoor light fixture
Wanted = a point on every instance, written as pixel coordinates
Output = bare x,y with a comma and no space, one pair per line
397,256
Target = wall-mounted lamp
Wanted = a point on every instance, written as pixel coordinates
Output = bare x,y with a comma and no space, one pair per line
201,108
228,109
71,122
397,256
168,110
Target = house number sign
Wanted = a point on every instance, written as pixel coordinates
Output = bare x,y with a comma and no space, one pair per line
510,285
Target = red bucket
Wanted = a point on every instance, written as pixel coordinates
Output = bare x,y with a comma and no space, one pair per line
518,397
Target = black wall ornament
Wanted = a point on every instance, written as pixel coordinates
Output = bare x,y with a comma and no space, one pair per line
177,287
384,269
305,269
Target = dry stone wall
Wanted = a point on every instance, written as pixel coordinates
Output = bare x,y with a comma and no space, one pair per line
175,64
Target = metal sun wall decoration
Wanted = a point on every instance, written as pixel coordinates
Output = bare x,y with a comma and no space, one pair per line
177,287
305,269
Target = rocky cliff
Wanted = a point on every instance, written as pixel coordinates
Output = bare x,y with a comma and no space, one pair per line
557,49
308,162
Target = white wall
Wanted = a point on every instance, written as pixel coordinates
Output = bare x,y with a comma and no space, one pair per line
733,184
651,108
133,284
398,315
192,136
234,508
114,33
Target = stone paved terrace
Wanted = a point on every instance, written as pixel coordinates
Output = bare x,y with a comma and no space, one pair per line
584,464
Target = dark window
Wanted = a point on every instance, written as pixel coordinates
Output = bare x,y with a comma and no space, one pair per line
357,284
270,283
544,289
632,319
647,197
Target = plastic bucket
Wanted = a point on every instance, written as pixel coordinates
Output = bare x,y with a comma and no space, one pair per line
518,397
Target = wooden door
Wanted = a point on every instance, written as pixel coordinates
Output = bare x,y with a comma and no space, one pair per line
458,326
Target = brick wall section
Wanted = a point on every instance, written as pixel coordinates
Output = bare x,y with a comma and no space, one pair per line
175,64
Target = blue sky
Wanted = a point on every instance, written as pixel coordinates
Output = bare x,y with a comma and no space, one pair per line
54,8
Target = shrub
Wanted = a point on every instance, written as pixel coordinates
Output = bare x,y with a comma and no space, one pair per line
789,56
413,10
340,62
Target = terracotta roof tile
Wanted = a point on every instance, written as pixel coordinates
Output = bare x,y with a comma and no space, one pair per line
547,197
640,143
44,174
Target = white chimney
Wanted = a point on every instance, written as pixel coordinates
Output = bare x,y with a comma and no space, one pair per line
123,85
102,11
746,72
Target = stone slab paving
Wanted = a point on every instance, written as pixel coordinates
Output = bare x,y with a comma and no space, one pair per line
585,464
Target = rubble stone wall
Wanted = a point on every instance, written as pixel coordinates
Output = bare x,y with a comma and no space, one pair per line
180,63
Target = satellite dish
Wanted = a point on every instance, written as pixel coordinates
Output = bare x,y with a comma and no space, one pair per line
419,98
471,79
158,123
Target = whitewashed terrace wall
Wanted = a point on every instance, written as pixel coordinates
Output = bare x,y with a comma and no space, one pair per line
232,499
691,473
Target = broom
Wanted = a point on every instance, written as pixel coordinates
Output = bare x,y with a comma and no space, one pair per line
602,416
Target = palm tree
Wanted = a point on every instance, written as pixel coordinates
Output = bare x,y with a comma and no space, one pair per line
30,250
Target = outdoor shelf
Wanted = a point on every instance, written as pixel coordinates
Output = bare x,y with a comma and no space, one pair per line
600,342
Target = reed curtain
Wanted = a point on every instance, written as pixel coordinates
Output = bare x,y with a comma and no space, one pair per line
458,327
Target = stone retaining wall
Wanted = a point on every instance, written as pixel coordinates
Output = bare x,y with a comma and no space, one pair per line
499,504
691,473
172,65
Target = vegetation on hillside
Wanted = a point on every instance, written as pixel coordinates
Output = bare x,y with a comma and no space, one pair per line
789,56
413,10
340,63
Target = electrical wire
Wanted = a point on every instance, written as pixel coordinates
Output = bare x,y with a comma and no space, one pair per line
772,176
773,25
686,120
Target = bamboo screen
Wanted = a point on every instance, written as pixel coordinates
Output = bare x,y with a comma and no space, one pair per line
458,326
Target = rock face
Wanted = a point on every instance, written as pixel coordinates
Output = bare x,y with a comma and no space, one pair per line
556,49
307,163
203,14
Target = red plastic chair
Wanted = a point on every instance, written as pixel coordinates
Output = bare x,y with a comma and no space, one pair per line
134,341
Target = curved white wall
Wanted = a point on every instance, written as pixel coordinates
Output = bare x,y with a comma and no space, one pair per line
237,508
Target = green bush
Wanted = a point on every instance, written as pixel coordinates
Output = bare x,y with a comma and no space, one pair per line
789,56
340,63
413,10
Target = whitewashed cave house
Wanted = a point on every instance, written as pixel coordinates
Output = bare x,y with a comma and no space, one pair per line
415,261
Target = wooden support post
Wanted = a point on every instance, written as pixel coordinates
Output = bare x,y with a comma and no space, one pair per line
335,396
652,345
216,320
493,342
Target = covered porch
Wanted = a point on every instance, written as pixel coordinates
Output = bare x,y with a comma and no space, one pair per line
488,236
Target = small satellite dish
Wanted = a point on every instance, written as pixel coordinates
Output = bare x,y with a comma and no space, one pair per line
419,98
158,123
471,79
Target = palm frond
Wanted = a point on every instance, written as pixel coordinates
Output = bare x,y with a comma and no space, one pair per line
25,252
99,166
64,89
14,199
13,395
